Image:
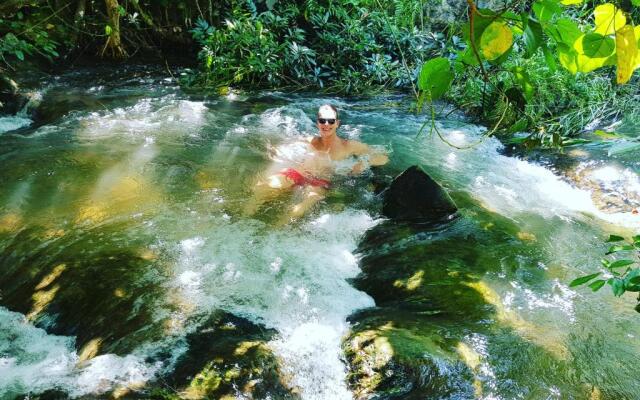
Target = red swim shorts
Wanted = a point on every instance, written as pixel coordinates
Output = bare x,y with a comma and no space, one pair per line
300,180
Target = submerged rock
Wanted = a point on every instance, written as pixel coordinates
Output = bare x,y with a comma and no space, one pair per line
414,195
405,348
227,357
440,329
404,359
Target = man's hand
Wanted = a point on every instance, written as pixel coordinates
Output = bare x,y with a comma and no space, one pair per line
377,159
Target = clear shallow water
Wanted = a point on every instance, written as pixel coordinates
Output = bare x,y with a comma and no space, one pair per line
120,223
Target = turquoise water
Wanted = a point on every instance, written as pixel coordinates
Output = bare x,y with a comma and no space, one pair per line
121,224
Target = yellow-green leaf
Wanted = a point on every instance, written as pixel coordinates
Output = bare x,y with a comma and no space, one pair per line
608,19
571,2
627,49
636,31
567,59
588,64
496,40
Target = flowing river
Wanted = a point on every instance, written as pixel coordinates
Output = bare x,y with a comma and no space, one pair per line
122,233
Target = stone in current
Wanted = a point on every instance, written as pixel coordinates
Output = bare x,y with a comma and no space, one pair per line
414,195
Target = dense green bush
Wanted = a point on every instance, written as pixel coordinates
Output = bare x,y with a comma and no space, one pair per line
24,36
345,47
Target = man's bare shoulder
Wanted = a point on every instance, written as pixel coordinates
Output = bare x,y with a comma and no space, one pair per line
316,142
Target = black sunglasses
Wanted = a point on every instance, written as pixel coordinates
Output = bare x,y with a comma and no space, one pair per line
323,121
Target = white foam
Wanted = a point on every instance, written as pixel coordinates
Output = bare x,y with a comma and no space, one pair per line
507,185
286,121
312,359
292,280
147,119
14,122
33,361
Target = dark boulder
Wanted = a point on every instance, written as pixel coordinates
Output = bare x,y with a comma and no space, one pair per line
414,195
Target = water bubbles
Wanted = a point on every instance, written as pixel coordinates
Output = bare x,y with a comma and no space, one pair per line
276,265
190,278
12,123
189,246
231,273
311,354
34,361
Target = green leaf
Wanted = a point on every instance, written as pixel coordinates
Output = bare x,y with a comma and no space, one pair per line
270,4
619,247
435,77
519,126
621,263
108,30
568,31
614,238
608,135
532,37
467,57
594,45
19,54
548,57
568,58
481,22
636,238
122,11
632,278
617,285
582,280
597,285
522,79
545,10
635,3
574,142
496,40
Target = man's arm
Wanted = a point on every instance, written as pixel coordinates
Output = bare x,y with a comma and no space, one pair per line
371,157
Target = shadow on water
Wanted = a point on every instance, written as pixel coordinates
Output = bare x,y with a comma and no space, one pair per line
97,284
105,286
441,331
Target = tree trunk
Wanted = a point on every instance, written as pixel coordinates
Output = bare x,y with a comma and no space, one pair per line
113,47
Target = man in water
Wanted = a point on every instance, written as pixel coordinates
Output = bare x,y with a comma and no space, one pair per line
325,155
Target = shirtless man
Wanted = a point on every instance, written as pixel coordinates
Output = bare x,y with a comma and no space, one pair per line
312,174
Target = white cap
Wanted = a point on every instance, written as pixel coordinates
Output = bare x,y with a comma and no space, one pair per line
326,111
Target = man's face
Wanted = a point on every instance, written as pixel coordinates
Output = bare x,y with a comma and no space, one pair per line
325,117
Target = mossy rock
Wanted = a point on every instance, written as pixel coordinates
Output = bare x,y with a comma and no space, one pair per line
426,281
402,359
227,357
